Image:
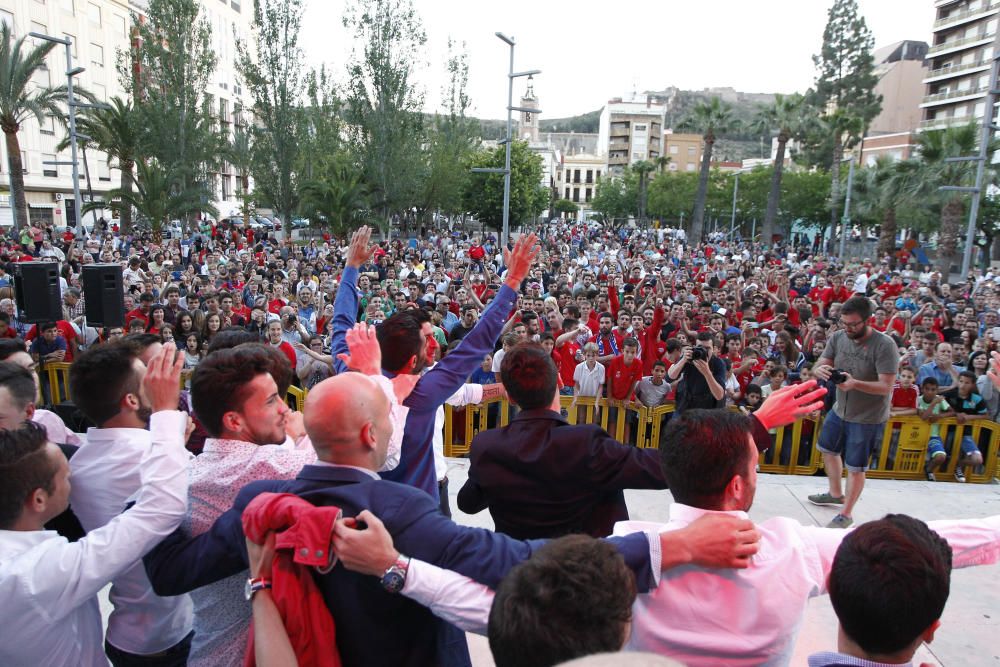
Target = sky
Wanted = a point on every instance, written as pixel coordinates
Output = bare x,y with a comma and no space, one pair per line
591,51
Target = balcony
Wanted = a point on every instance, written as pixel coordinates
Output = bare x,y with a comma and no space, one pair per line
966,16
953,96
959,44
618,146
618,161
942,123
955,70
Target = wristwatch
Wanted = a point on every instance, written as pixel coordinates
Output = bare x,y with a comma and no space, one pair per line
395,576
254,585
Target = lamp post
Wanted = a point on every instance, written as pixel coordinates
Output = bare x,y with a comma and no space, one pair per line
72,104
511,75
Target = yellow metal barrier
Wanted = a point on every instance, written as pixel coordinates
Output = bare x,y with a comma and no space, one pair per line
296,398
57,377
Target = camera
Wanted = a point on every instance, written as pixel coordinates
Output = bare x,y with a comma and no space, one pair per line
699,353
838,376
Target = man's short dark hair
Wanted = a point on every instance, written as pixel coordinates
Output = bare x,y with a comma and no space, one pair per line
857,305
706,335
529,376
100,377
968,374
605,315
889,582
401,338
24,467
231,337
219,382
630,342
572,598
659,364
146,296
46,326
929,382
140,342
20,383
701,451
11,346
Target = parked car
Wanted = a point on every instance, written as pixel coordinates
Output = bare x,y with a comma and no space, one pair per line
299,223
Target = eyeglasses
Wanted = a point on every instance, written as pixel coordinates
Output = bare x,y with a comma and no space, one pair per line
853,326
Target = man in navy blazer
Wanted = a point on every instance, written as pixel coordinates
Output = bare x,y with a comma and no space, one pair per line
375,627
542,477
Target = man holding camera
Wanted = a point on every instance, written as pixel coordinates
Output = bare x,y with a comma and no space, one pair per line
862,363
704,376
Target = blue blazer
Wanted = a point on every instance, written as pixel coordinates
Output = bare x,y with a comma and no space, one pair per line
374,628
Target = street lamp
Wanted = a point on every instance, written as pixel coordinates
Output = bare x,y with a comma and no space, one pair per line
72,105
511,75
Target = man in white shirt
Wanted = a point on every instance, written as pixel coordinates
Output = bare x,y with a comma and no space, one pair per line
49,586
144,628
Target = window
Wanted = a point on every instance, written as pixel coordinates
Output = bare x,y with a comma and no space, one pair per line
640,127
690,150
24,162
590,176
224,110
576,175
48,126
598,174
72,42
691,166
103,170
566,196
227,188
587,195
673,150
95,14
100,91
235,4
97,55
672,166
576,194
40,28
50,170
121,25
67,6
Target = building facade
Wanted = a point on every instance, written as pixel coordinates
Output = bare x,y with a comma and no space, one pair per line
578,178
99,29
959,61
630,131
901,70
684,151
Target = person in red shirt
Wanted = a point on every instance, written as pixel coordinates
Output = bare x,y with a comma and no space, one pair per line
66,331
904,394
274,339
569,352
624,373
142,312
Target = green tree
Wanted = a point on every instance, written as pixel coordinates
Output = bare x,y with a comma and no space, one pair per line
845,88
881,191
642,169
271,67
805,197
383,103
565,206
786,118
711,119
167,69
320,127
21,98
483,193
340,198
935,148
988,225
114,131
160,195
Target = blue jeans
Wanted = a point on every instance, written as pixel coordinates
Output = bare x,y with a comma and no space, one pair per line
855,441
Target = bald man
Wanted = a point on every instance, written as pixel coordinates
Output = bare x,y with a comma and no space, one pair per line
375,626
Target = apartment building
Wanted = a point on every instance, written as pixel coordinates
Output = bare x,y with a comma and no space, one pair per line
98,29
684,151
578,178
631,130
959,61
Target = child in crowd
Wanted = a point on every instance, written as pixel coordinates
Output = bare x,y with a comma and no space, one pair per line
588,380
776,380
484,374
752,398
623,374
932,408
967,406
732,386
192,351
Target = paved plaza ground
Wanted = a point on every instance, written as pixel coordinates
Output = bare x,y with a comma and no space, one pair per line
971,624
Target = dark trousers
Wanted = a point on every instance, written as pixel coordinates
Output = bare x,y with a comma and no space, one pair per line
175,656
443,493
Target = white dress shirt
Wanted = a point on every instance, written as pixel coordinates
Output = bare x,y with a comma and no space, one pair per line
222,615
50,614
701,616
105,475
56,428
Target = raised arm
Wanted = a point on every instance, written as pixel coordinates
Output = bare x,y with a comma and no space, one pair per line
345,306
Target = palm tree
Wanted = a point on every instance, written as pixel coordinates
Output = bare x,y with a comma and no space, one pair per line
161,195
115,131
786,117
935,148
643,168
339,198
20,99
880,190
710,119
662,162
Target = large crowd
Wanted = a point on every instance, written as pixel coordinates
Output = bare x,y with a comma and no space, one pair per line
341,513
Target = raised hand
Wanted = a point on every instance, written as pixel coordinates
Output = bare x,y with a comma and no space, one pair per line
788,404
519,261
364,354
359,251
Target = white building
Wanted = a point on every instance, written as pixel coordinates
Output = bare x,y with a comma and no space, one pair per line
631,130
98,30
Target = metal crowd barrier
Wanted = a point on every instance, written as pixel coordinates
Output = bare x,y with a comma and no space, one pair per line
901,454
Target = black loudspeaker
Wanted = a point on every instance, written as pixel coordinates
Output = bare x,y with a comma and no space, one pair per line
36,290
104,296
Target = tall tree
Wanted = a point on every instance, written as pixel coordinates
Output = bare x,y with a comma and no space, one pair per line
116,132
934,148
845,87
167,70
320,127
482,194
711,119
272,71
642,169
21,98
787,119
383,102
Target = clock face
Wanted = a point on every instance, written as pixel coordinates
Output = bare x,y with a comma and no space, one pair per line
393,581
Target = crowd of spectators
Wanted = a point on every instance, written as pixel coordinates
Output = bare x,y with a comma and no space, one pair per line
177,495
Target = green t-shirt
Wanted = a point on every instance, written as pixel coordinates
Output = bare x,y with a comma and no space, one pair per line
938,409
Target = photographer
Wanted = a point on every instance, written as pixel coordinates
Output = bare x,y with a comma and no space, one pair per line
703,376
862,363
